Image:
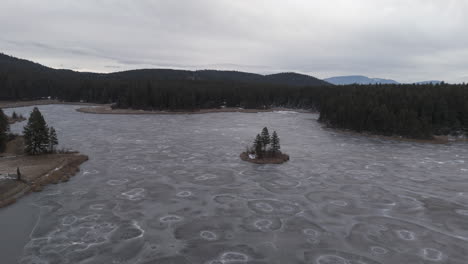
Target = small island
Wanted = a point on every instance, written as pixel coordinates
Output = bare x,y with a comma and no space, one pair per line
15,118
265,150
30,161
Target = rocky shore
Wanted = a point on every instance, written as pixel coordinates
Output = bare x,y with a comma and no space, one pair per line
278,159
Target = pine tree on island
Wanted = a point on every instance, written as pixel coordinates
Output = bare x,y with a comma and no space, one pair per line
265,149
275,143
265,138
258,146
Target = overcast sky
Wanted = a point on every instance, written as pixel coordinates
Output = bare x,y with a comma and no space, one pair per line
405,40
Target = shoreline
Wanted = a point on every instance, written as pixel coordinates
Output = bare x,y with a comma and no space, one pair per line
36,171
435,140
96,108
282,158
109,111
14,104
53,169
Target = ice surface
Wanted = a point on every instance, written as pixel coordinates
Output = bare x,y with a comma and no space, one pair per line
172,189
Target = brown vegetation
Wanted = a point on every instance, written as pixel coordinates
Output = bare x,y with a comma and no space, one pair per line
14,147
36,171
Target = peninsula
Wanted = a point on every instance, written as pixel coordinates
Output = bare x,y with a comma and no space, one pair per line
30,161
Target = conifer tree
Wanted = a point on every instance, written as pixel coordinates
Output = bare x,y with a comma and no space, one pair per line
258,146
4,127
53,140
265,137
275,143
36,134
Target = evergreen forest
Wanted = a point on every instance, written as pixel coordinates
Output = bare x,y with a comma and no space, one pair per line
409,110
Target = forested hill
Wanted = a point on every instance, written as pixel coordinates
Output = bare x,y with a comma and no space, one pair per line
18,70
289,78
158,89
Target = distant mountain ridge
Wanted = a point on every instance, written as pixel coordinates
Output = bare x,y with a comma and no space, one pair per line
429,82
10,64
358,79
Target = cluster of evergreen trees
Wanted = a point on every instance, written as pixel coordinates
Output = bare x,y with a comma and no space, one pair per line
415,111
265,146
38,138
15,116
4,129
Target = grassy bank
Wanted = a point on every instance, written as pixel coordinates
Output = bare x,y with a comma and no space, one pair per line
36,171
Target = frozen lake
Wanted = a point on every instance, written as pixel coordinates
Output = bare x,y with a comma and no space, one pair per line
172,189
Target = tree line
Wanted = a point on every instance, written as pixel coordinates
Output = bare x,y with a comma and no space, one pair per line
417,111
39,138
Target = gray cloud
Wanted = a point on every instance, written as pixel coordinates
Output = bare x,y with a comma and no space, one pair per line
404,40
